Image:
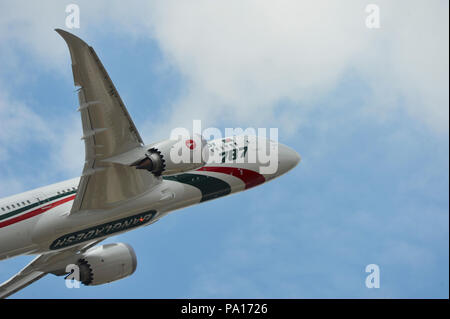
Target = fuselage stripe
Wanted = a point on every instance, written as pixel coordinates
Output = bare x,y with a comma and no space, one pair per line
210,187
36,212
25,208
249,177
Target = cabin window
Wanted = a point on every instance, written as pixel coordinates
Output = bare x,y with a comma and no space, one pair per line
7,207
18,205
59,193
12,205
28,202
23,203
3,208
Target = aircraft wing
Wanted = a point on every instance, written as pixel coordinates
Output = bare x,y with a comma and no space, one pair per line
108,132
22,279
41,266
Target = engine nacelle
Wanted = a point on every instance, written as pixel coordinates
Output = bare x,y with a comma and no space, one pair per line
107,263
175,156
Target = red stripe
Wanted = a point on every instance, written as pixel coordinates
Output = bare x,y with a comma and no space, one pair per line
36,212
249,177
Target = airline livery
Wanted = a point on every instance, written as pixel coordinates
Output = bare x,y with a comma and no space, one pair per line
125,184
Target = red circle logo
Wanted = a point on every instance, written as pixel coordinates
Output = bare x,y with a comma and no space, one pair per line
190,144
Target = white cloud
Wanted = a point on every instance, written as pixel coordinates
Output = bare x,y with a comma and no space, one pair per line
245,56
19,125
408,61
28,25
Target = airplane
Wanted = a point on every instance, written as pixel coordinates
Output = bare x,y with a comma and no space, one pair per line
125,184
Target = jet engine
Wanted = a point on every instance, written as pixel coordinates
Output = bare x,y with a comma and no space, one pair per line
174,156
106,263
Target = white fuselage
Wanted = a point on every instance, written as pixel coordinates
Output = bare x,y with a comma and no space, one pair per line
39,221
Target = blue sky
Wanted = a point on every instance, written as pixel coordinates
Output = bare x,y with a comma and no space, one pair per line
366,109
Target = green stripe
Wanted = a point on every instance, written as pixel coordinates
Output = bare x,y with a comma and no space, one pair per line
21,210
210,187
